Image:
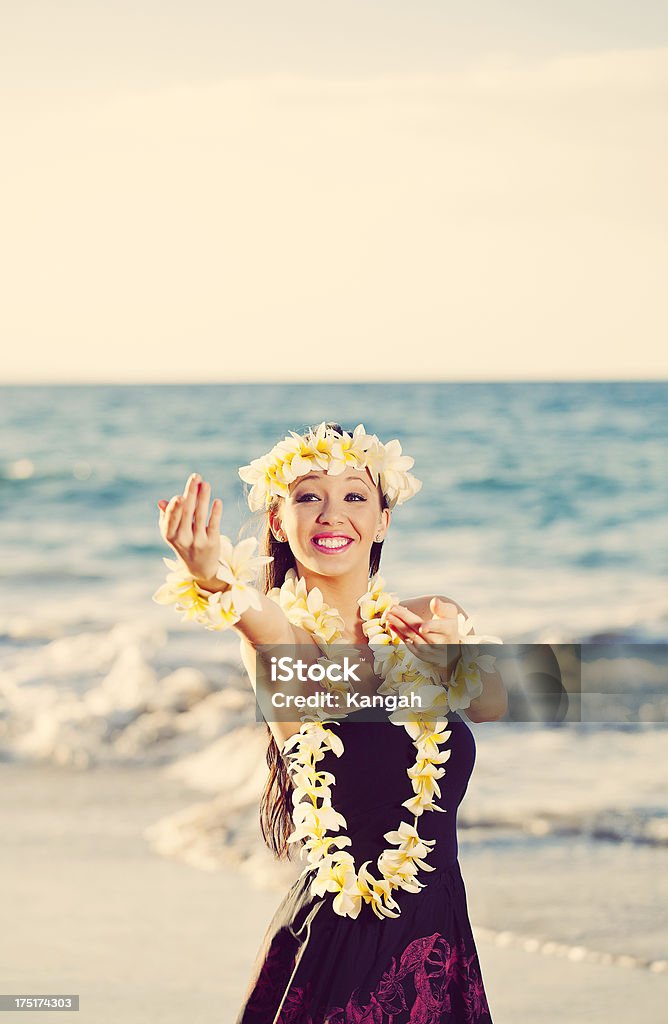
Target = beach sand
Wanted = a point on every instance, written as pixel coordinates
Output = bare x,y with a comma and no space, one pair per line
90,909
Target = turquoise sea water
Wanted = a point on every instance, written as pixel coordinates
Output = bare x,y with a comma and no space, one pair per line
543,510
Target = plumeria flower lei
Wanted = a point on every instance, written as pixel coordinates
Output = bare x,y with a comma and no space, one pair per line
402,670
313,814
324,449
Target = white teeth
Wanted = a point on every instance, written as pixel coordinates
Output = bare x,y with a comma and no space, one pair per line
331,542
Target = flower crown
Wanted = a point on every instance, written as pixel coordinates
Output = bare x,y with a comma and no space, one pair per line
324,448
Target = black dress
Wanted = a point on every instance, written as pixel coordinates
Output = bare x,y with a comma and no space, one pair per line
316,967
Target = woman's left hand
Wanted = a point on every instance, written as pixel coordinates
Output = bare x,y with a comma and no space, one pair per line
427,634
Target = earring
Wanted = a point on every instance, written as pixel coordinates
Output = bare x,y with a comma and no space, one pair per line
378,538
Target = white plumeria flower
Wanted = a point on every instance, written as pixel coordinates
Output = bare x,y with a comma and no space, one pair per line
412,845
374,458
304,776
306,608
376,603
465,686
393,472
339,876
429,731
267,477
317,819
408,840
238,564
313,740
423,776
318,848
352,450
420,803
400,870
180,589
312,791
377,892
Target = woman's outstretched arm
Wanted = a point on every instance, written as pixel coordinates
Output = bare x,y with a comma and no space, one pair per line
183,526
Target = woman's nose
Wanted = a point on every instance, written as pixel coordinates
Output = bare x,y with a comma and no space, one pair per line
330,513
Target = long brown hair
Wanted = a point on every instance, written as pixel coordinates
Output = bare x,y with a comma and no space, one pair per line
275,805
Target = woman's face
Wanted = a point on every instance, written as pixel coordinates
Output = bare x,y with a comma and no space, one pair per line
331,521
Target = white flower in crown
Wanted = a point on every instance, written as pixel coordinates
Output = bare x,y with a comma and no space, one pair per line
386,462
325,450
267,477
354,450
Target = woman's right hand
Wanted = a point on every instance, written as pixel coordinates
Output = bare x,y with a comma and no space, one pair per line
183,526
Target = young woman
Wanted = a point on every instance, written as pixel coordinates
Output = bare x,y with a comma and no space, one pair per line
376,928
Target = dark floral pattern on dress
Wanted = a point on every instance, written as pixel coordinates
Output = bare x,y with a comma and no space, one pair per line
434,983
271,977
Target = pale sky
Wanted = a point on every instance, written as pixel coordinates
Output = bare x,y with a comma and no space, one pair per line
210,191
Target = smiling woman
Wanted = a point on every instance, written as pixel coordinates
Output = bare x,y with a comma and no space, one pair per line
327,499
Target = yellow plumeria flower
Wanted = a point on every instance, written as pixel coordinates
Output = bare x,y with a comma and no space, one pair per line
317,820
466,684
221,611
337,874
423,776
180,589
429,734
306,608
393,468
377,892
399,869
352,450
307,774
409,842
319,847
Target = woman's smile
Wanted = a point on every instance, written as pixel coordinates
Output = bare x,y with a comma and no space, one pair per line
331,543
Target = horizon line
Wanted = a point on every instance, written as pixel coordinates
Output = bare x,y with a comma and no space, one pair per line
93,382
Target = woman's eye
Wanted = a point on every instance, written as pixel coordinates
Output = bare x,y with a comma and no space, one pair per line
351,494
